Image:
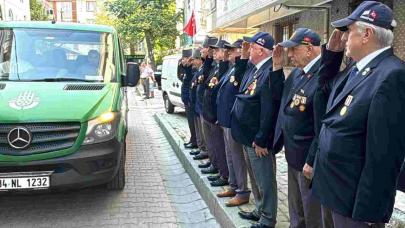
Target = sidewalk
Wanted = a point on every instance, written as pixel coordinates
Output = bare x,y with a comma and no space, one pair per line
176,130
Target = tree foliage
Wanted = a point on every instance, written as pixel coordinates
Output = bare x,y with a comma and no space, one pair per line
37,11
154,21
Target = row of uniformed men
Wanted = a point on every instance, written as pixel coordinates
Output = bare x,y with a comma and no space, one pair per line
346,124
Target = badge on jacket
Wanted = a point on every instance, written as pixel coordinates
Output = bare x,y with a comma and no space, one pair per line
233,80
213,82
251,88
348,101
299,101
200,79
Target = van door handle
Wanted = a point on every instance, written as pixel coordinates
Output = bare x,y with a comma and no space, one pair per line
174,84
177,85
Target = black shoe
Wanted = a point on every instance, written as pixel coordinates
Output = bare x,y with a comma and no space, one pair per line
213,177
187,143
200,156
195,152
204,165
209,170
191,146
248,215
259,225
220,182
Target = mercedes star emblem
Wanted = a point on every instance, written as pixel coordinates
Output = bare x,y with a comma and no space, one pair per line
19,138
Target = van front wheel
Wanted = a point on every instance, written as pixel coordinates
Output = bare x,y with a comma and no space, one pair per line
118,182
168,105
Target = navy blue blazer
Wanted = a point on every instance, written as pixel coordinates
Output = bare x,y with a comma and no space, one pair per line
186,84
254,113
210,94
202,85
295,127
193,87
361,142
227,92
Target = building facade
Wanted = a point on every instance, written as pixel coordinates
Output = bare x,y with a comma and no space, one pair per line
80,11
15,10
234,18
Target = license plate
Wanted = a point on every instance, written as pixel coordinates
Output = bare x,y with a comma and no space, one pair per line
24,182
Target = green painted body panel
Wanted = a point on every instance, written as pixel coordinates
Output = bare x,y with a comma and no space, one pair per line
59,105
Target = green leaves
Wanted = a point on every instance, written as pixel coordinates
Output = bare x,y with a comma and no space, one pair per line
157,18
37,11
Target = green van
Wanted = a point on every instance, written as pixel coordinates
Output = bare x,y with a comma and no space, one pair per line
63,106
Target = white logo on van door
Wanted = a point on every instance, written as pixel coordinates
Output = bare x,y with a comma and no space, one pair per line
25,100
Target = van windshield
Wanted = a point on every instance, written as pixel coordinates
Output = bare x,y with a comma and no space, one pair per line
56,55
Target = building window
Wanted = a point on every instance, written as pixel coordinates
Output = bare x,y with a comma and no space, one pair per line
91,6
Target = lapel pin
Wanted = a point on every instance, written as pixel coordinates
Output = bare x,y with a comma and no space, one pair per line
365,72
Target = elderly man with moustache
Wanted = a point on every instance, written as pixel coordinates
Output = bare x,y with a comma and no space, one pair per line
254,116
361,142
295,128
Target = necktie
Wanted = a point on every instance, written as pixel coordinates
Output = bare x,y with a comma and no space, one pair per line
352,74
350,78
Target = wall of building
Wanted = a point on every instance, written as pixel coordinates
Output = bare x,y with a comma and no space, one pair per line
399,42
15,10
86,11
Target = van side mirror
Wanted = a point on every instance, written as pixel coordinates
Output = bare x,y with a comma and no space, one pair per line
133,75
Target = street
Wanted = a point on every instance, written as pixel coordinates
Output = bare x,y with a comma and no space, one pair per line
158,191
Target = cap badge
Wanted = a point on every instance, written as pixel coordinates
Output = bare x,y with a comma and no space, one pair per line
367,15
260,41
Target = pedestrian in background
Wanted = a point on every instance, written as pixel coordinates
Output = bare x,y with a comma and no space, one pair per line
361,142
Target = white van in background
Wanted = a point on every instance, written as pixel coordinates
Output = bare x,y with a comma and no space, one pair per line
171,85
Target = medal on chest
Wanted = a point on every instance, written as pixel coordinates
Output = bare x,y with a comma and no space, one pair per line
347,103
251,88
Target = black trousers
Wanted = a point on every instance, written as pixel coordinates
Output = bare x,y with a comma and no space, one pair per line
190,119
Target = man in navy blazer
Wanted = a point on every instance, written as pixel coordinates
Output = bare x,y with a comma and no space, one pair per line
229,87
214,133
254,116
361,142
295,129
200,89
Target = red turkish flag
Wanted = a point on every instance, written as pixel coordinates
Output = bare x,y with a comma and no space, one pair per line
191,28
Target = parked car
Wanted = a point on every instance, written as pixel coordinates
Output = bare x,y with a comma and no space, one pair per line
63,121
158,76
171,85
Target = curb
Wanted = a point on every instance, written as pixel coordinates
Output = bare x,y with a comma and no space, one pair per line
225,216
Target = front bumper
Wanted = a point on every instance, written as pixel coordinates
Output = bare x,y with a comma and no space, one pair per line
90,165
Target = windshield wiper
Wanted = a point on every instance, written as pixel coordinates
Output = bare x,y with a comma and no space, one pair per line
60,80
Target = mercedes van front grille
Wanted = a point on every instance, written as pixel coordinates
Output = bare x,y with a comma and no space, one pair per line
83,87
35,138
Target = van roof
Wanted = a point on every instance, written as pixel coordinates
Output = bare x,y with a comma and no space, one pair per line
174,56
57,25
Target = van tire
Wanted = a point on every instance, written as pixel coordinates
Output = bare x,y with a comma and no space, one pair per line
118,182
168,105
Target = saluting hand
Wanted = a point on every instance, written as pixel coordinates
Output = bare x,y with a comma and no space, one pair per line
307,171
278,58
260,151
226,55
245,50
336,43
210,53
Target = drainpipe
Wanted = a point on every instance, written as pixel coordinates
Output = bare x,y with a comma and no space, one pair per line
326,21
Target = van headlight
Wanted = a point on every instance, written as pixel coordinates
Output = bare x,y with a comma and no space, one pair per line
102,128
